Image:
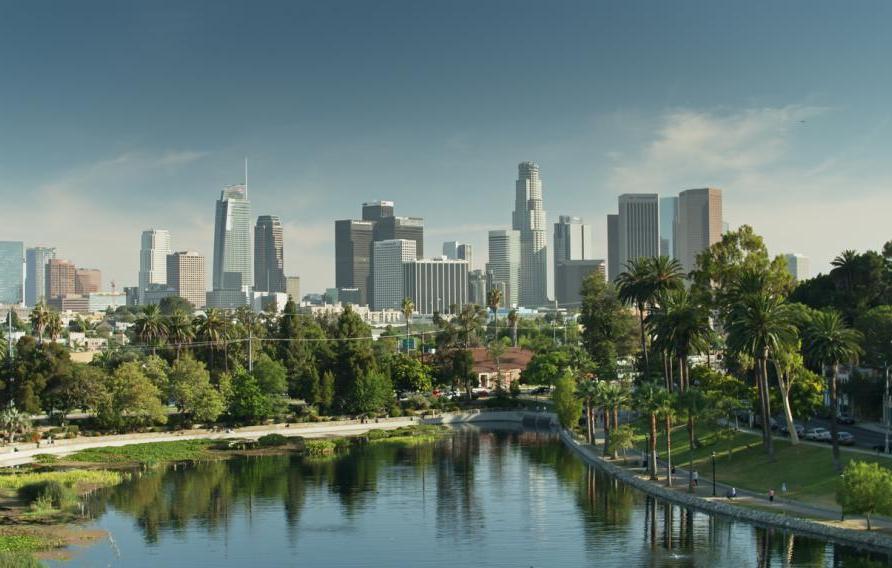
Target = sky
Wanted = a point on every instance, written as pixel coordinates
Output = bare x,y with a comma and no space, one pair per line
117,116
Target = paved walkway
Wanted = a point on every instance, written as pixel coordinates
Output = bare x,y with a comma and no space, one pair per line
26,452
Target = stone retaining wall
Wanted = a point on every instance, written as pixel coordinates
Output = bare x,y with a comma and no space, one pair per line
850,537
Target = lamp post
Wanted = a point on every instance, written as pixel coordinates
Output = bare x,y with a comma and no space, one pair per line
713,474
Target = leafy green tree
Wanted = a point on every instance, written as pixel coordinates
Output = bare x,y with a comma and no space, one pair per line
865,489
623,439
829,342
354,357
248,401
326,391
272,380
409,374
83,389
158,371
567,406
602,317
860,280
545,367
371,393
875,326
173,304
37,371
130,399
192,392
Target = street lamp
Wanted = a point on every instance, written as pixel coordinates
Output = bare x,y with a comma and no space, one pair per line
713,474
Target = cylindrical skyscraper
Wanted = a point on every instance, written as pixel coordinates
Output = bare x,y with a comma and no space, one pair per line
529,219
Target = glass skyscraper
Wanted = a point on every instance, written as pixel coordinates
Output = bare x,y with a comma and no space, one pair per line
35,273
269,255
529,220
12,274
233,269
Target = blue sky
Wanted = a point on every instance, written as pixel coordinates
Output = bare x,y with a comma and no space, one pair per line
118,116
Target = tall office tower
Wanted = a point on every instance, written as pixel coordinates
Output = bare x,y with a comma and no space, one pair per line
292,288
269,256
668,226
612,247
436,284
569,277
353,256
798,266
572,240
409,228
186,275
12,272
476,287
699,223
639,227
376,210
153,251
455,250
387,272
59,278
233,269
87,281
504,264
35,273
529,220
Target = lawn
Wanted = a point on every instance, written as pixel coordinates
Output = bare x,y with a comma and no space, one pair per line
741,462
148,454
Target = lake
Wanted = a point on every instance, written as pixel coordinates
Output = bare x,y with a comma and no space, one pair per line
480,497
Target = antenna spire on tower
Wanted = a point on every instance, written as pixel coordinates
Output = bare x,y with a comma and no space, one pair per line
246,177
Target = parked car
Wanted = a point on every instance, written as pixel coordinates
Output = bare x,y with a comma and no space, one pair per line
541,390
800,430
845,438
845,419
817,434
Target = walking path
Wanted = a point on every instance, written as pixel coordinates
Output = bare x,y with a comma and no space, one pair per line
26,452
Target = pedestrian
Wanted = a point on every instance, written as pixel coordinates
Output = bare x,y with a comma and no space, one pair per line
696,478
732,493
771,495
784,487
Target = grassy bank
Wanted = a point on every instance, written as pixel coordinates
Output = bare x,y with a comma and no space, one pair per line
407,435
74,479
147,454
741,461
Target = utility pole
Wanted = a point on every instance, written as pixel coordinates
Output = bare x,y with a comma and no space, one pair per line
251,348
886,409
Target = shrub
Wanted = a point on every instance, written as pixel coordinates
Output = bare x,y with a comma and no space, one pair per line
377,434
50,493
395,411
320,448
272,441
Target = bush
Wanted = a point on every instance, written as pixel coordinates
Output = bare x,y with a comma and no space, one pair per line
320,448
272,441
377,434
51,493
396,411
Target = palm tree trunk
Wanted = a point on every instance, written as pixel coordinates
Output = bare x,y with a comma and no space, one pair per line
834,414
606,432
643,339
652,459
766,406
669,451
615,427
671,376
666,365
588,421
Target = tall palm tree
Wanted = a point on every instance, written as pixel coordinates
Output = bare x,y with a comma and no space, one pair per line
512,323
635,288
211,327
665,274
681,326
587,390
761,323
648,400
408,308
470,324
828,343
666,411
493,301
616,398
54,326
39,318
180,330
150,326
844,268
691,404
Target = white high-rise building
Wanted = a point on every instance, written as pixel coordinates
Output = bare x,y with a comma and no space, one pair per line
504,264
529,220
572,240
455,250
186,276
436,284
638,227
153,251
387,272
798,266
699,224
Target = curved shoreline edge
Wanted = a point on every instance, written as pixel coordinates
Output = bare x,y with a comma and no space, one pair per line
873,540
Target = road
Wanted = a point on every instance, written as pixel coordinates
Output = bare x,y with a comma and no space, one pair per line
864,438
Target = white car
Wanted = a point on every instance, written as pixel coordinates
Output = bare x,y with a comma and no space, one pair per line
818,434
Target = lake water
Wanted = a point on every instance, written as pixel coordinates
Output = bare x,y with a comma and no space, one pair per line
497,497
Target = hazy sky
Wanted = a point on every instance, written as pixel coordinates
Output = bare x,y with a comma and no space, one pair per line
119,116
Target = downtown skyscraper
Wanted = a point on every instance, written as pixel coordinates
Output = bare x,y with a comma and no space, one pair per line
700,224
269,255
35,273
529,220
12,272
154,246
638,228
232,240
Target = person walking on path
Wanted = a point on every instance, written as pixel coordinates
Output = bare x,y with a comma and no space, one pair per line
732,493
696,478
771,495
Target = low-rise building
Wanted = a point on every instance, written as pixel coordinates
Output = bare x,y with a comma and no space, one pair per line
490,374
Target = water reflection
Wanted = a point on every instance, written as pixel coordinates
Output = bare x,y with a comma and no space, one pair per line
500,496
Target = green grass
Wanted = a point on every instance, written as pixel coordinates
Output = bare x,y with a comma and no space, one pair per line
19,560
148,454
70,478
320,448
14,539
741,462
407,435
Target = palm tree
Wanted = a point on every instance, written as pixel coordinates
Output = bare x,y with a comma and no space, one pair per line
602,400
666,411
681,326
649,400
828,342
211,327
12,422
150,326
692,403
665,274
616,397
587,390
408,308
493,301
844,268
495,350
39,317
54,326
180,330
761,323
512,323
634,287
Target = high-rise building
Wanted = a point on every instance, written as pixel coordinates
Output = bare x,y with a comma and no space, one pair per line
59,278
353,256
233,269
455,250
153,251
12,272
569,276
612,247
269,256
292,288
668,226
477,287
35,273
639,227
699,223
186,275
798,266
87,281
436,284
409,228
529,220
387,272
504,264
572,240
376,210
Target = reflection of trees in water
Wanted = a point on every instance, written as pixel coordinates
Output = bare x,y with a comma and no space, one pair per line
459,514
